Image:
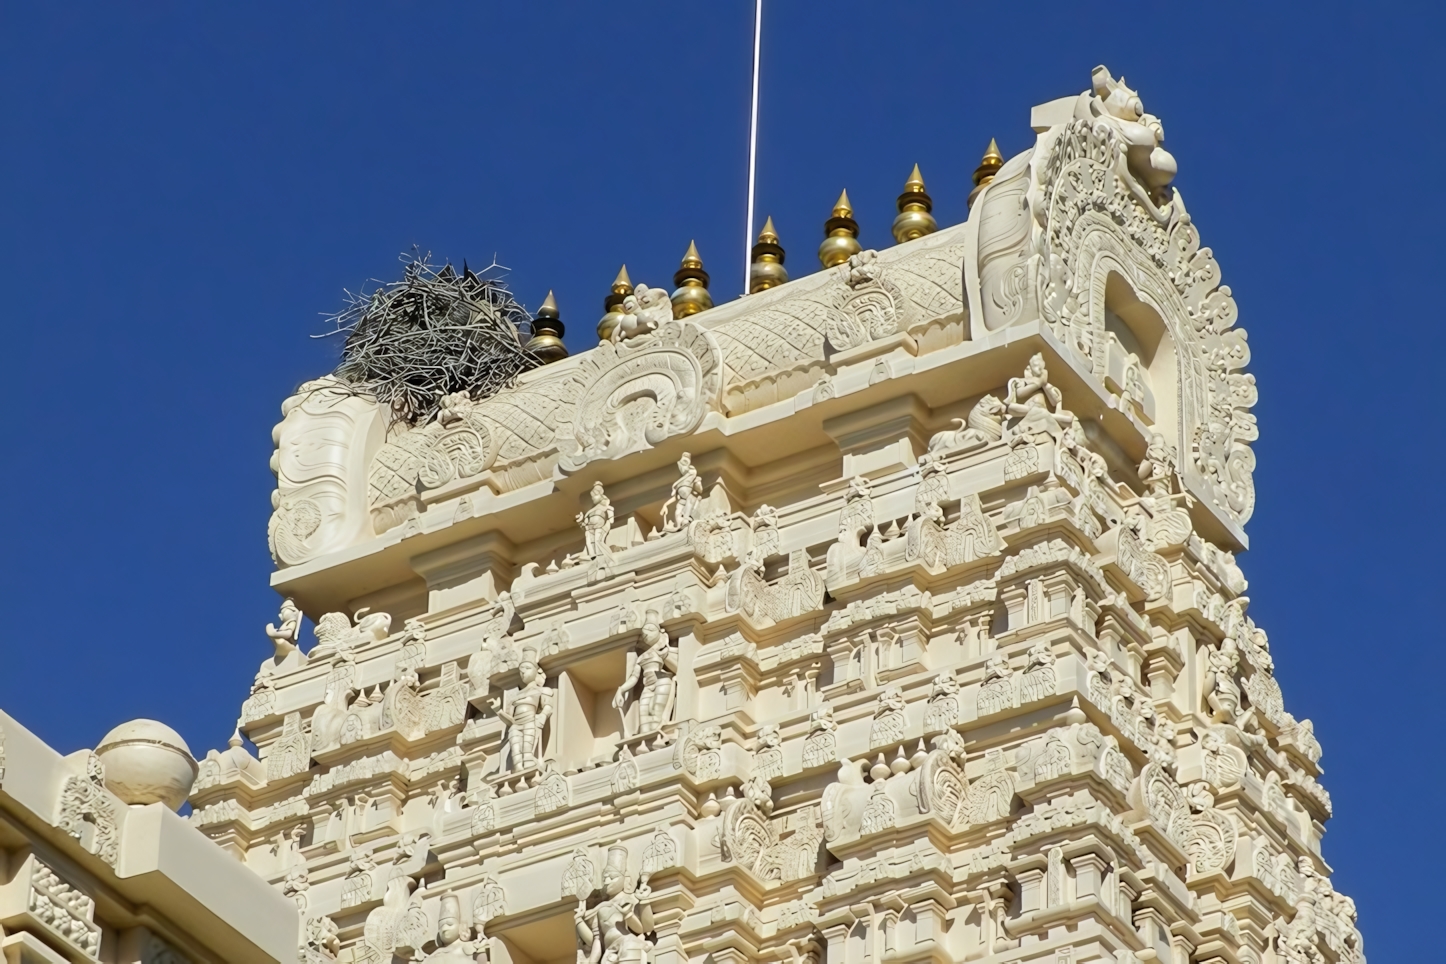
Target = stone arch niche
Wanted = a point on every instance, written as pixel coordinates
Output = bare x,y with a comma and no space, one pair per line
1068,237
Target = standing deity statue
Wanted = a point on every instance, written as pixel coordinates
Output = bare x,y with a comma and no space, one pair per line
453,945
615,931
596,522
1169,525
654,665
687,494
525,716
284,636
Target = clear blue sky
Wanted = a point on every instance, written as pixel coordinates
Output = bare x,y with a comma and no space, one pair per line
187,187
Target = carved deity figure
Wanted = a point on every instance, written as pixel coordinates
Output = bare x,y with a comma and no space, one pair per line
1222,692
525,716
284,636
654,667
687,494
1037,404
1169,524
643,311
453,945
596,522
614,932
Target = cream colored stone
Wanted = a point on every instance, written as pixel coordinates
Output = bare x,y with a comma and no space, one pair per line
147,762
891,613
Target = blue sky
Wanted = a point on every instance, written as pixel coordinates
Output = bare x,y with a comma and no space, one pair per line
189,187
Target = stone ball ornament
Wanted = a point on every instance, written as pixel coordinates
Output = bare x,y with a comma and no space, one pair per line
147,762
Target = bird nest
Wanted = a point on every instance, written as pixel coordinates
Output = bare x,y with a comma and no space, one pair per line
435,333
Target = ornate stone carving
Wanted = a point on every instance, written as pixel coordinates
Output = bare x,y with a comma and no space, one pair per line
888,726
398,927
1145,568
820,747
525,712
1210,840
596,522
943,711
686,495
1038,681
991,797
700,753
996,692
642,312
616,929
768,754
867,305
552,791
649,681
798,591
489,900
578,878
633,394
87,812
1086,206
661,852
65,910
984,424
336,634
320,503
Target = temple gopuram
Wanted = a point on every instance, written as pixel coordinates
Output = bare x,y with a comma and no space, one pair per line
888,614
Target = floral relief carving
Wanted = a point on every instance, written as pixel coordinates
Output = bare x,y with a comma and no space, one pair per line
87,812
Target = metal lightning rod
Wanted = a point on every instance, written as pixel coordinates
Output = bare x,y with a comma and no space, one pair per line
752,145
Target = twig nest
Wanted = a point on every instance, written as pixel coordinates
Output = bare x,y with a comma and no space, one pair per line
147,762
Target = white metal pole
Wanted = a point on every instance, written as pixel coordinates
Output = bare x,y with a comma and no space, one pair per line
752,145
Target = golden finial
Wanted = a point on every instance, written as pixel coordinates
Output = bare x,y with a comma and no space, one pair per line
622,287
767,271
546,342
622,284
840,234
914,220
988,167
692,295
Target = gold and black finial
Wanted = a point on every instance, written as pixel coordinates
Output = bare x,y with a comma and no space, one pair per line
988,167
914,220
767,270
692,295
622,287
546,342
841,234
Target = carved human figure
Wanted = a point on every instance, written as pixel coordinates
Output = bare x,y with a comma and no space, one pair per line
1036,403
615,932
1222,693
1169,524
687,494
654,667
453,945
284,635
525,717
596,522
643,311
